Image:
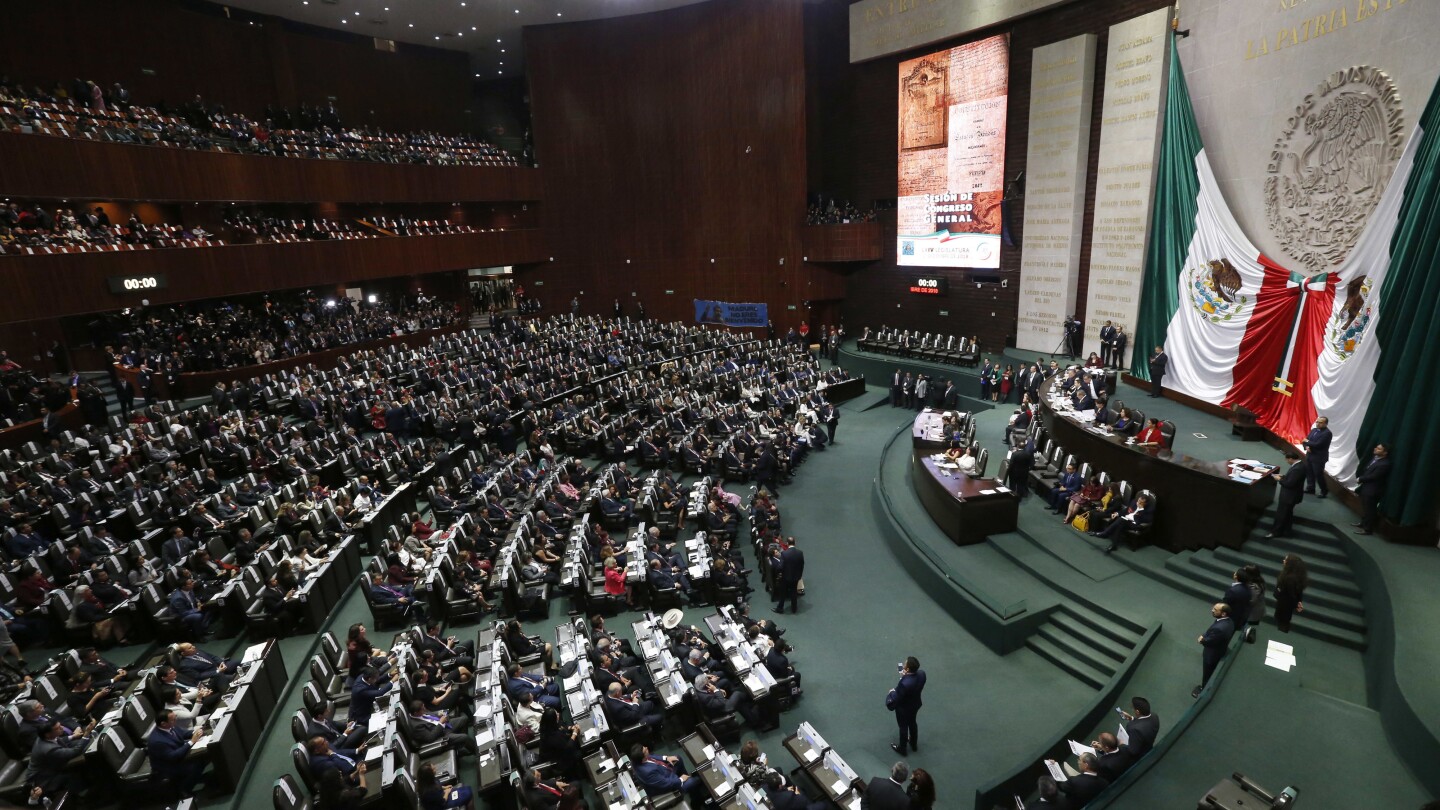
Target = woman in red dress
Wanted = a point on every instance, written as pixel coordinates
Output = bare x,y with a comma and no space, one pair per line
1007,382
1151,435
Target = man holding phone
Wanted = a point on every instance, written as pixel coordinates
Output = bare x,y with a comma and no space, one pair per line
905,701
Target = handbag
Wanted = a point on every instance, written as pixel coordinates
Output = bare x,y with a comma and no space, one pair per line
890,700
1081,522
800,586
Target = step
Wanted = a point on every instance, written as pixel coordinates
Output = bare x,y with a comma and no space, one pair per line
1121,630
1320,545
1348,609
1305,624
1074,625
1079,648
1338,583
1266,552
1060,658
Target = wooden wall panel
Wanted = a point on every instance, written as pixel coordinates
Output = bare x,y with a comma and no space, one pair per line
668,140
230,61
853,107
44,166
71,284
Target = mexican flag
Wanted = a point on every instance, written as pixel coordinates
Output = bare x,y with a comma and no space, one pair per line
1289,342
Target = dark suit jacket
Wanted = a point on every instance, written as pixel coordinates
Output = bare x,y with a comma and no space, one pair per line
907,693
884,794
1217,639
1143,732
792,564
167,750
1081,789
1292,484
1110,766
1317,444
1237,596
1372,480
1158,364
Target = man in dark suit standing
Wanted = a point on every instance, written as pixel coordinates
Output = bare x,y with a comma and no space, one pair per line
1372,488
906,703
792,568
895,388
1292,492
1142,727
1017,476
1159,362
1107,344
888,794
1215,642
1317,453
1237,598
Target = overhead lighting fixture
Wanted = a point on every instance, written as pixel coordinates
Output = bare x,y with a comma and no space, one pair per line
502,50
412,25
344,21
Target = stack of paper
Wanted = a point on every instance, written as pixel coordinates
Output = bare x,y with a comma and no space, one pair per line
1055,772
1122,735
1077,748
1279,656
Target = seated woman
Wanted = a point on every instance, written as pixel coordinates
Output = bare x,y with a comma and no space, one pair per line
1099,515
753,764
1094,361
1124,423
85,701
1139,514
1151,435
104,627
419,528
967,462
521,645
560,744
435,796
1089,495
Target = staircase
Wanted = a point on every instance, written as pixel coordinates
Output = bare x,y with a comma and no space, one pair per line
1334,610
1084,644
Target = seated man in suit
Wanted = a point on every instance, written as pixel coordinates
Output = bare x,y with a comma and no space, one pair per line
1139,514
888,794
716,702
1142,726
455,653
1114,760
426,728
1070,483
1084,784
177,548
324,758
784,797
168,745
627,709
320,724
661,775
545,690
363,693
1049,793
188,608
52,753
197,666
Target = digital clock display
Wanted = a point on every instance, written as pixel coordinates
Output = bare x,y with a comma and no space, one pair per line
128,284
929,285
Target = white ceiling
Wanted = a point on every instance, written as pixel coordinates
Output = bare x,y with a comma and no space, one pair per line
488,30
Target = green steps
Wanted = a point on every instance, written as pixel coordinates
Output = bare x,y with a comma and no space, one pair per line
1089,647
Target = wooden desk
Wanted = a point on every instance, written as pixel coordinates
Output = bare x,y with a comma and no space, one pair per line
1198,505
967,509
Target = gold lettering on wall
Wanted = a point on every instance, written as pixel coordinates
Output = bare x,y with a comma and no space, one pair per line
1312,26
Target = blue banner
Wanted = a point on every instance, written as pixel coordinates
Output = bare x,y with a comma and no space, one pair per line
727,314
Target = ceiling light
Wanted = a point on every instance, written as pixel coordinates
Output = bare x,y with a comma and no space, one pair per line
477,75
502,63
557,14
502,50
357,14
497,40
472,28
437,37
412,25
344,21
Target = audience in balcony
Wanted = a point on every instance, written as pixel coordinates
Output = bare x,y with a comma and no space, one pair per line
212,336
86,110
29,228
829,212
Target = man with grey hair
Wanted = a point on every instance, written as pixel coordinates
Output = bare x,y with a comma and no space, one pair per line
1085,784
627,710
888,794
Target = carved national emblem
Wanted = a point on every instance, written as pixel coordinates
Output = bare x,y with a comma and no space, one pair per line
1349,325
1331,163
1214,290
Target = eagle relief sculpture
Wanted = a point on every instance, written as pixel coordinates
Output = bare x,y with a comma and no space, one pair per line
1331,163
1348,325
1215,290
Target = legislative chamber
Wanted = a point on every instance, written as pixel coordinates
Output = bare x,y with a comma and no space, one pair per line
702,403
